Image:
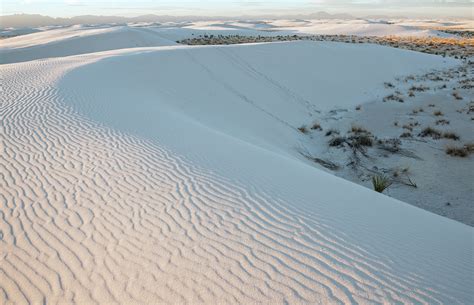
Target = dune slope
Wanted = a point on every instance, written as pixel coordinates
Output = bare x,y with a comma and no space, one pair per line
155,204
77,40
276,87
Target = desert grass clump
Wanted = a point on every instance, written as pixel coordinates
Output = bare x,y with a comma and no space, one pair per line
407,127
457,151
442,122
420,88
303,129
457,96
406,135
337,141
391,145
316,126
358,129
364,140
393,97
332,132
438,113
469,147
430,132
450,135
380,183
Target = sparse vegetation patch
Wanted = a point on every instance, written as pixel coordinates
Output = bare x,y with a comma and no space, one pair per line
380,183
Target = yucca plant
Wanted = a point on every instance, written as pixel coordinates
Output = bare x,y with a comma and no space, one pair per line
380,183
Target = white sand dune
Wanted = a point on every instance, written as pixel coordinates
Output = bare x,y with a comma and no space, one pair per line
322,27
82,39
77,40
275,92
122,183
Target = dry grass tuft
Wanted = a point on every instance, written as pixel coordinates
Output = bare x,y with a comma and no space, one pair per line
380,183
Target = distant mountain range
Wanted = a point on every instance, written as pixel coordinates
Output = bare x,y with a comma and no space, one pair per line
36,20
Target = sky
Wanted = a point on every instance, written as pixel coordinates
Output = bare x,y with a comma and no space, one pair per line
406,8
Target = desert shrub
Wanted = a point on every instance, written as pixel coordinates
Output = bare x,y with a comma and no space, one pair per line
358,107
430,132
391,145
337,141
332,132
393,97
358,129
361,140
438,113
303,129
406,135
420,88
316,126
442,122
469,147
457,96
450,135
457,151
380,183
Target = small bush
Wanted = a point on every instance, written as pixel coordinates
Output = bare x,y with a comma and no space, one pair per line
316,126
393,97
406,135
442,122
469,147
358,107
420,88
450,135
332,132
457,151
457,96
390,145
303,129
430,132
380,183
358,129
438,113
337,141
360,140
